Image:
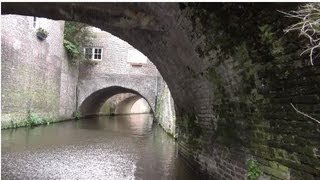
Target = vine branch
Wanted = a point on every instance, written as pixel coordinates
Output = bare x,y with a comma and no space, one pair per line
304,113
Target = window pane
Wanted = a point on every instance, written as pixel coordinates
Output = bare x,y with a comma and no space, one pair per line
95,56
99,56
96,50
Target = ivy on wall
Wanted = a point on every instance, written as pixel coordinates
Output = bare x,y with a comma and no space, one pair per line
76,36
253,170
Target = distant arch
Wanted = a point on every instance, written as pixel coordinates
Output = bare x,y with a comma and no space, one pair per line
92,104
125,106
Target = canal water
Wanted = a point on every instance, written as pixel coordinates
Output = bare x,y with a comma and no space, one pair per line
117,147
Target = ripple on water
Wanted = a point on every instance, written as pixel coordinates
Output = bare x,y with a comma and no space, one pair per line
72,162
124,147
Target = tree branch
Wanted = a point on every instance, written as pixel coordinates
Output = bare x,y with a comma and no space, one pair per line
304,114
308,26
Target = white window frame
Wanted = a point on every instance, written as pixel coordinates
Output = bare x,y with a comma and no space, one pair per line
93,53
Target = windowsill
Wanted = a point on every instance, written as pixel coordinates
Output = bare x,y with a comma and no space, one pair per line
136,64
95,60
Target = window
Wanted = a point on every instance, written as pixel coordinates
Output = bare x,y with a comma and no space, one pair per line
136,58
93,53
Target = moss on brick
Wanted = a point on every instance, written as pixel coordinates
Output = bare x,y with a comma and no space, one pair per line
255,73
190,131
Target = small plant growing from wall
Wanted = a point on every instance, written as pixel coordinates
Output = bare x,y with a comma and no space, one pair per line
253,170
42,34
33,119
77,115
76,36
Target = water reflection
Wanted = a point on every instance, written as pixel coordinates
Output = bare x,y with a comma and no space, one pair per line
119,147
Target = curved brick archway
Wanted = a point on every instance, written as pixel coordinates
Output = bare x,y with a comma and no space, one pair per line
143,85
124,107
147,28
152,29
90,106
232,91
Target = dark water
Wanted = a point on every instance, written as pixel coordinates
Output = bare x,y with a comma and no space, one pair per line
121,147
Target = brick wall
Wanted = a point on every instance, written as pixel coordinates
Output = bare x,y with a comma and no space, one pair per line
114,70
124,103
114,60
30,69
68,89
165,112
110,105
232,74
37,76
256,71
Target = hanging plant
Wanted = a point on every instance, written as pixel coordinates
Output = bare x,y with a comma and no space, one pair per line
42,34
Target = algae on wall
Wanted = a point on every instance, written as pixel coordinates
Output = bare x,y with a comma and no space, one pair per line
31,70
165,112
256,72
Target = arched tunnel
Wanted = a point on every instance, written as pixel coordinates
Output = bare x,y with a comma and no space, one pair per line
128,106
232,86
92,105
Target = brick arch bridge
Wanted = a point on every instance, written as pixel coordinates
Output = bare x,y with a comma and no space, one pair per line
123,103
124,107
91,98
232,90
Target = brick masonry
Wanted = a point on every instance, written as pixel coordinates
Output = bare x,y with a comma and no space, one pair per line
165,112
109,107
232,73
30,69
46,83
114,70
125,103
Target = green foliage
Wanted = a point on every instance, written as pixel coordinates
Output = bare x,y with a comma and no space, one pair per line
72,50
266,34
77,115
34,120
253,170
76,36
268,37
190,130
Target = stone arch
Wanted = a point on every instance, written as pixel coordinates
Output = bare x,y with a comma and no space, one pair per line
91,105
208,87
162,33
110,105
124,107
149,27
